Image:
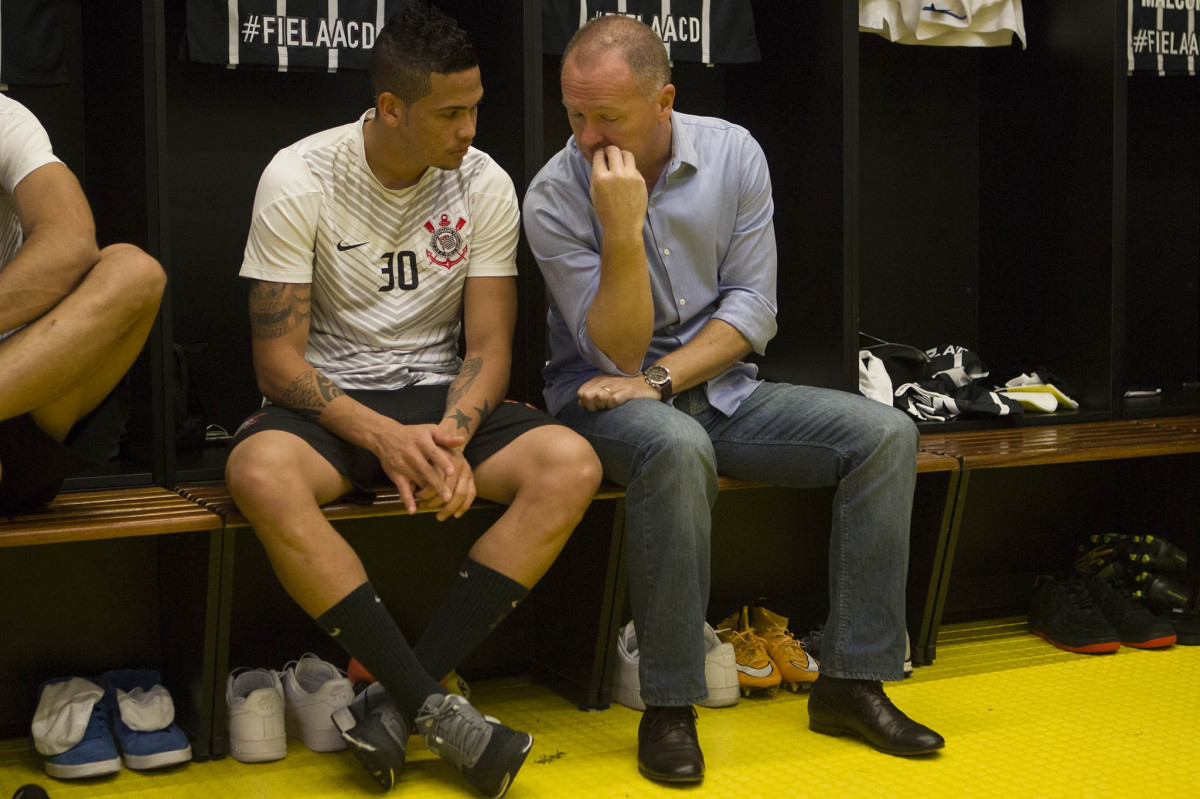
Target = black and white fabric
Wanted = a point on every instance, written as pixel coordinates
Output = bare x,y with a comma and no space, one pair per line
1162,36
704,31
31,44
955,389
945,23
285,35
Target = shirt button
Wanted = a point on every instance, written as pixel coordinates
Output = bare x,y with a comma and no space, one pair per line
682,301
666,250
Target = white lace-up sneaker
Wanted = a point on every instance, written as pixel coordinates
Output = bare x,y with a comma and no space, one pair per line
314,690
254,699
720,671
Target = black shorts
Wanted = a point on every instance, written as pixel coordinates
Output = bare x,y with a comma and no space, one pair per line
32,465
411,405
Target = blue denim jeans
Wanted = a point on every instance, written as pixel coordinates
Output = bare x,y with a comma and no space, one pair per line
796,436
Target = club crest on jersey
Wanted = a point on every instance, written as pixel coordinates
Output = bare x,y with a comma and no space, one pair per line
446,245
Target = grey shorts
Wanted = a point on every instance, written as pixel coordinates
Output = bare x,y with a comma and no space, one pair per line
411,405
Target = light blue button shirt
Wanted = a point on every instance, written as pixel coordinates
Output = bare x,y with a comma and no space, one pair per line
710,246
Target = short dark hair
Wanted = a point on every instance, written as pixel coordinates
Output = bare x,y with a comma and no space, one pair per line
415,43
637,42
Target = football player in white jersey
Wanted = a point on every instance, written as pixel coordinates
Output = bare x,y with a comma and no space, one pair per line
371,246
73,317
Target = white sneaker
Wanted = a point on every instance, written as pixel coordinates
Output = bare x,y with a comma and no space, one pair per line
314,690
720,671
254,699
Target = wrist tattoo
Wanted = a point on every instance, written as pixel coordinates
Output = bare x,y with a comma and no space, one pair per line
277,309
462,421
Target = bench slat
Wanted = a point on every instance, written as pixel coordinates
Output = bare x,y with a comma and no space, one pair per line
1069,443
112,513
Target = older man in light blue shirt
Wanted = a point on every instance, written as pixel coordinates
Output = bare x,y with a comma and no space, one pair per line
653,231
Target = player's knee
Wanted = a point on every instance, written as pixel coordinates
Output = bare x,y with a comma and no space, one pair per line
137,280
579,469
565,477
253,473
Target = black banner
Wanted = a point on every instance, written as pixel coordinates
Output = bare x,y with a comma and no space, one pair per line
706,31
287,34
1162,36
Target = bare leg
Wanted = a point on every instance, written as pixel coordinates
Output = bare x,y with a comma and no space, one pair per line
62,365
547,477
279,482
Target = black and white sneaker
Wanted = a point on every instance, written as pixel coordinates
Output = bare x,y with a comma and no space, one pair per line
487,753
376,732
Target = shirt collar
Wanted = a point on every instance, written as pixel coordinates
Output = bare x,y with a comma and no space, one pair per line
682,150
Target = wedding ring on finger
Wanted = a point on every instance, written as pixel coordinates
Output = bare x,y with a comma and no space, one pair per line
607,390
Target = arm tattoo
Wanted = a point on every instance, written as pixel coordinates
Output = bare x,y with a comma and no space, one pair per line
458,389
277,309
466,376
309,393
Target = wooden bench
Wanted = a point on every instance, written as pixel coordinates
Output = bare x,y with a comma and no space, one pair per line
1006,448
574,654
112,513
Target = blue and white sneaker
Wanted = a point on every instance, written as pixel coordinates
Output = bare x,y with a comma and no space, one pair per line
71,729
143,719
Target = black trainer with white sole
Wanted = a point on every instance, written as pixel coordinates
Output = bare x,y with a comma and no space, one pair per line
376,732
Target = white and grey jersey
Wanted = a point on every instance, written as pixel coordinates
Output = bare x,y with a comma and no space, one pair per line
387,267
24,147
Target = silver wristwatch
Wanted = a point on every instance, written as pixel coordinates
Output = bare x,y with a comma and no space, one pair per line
659,377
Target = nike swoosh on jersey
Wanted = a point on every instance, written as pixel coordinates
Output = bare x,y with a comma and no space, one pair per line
343,247
760,671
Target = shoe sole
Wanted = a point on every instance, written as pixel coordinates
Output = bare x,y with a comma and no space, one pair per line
671,780
158,759
1153,643
97,768
1095,648
257,751
836,732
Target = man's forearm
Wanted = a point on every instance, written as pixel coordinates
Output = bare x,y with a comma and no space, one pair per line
40,275
718,346
476,391
620,321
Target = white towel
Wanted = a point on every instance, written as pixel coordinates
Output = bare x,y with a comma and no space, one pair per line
62,714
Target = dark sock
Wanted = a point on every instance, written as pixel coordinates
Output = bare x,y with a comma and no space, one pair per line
478,601
364,628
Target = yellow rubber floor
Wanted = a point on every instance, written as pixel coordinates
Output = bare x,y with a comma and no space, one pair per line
1021,719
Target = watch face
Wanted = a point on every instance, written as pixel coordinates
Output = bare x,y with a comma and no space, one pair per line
658,374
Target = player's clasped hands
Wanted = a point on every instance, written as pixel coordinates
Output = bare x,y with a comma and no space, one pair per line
425,464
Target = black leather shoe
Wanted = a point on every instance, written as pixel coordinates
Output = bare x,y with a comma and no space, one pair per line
668,749
860,708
